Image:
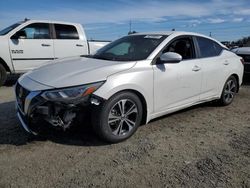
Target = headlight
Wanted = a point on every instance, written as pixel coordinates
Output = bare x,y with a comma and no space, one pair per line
73,93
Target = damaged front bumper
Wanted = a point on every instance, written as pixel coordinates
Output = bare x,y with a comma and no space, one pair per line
32,110
24,125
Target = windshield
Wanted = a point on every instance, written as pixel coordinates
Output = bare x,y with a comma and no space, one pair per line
8,29
130,48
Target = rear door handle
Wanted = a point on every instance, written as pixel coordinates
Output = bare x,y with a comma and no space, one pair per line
226,63
45,45
79,45
196,68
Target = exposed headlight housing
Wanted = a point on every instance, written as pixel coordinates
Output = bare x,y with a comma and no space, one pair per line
72,93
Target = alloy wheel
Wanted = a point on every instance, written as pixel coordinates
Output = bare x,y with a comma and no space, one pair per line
122,117
229,91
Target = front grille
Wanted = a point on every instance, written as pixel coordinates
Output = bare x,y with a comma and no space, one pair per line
21,94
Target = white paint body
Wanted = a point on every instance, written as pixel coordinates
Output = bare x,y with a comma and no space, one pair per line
38,52
165,87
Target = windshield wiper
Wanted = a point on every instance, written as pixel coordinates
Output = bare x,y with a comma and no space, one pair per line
88,56
101,57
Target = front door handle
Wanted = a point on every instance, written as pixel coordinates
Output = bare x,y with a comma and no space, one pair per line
45,45
79,45
196,68
226,62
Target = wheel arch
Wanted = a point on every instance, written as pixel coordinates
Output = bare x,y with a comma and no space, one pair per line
237,79
143,101
2,62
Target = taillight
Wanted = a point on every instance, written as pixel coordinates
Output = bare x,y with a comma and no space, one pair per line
242,61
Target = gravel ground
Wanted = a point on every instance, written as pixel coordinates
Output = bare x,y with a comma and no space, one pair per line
203,146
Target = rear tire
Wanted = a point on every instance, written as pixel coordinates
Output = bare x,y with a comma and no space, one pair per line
229,90
118,118
3,75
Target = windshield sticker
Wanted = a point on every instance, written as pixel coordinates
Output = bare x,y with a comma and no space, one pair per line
153,36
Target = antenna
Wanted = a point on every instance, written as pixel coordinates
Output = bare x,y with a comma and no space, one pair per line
130,25
210,34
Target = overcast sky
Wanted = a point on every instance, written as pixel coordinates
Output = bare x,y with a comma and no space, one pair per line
109,19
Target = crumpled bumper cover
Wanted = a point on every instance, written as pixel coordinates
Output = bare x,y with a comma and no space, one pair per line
25,126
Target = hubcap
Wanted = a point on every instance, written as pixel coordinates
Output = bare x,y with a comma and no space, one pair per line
122,117
230,91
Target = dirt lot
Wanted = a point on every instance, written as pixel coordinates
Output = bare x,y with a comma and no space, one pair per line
204,146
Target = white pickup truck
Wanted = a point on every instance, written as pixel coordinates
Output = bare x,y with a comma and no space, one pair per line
31,43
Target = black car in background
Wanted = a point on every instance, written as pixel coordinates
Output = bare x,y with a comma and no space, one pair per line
244,52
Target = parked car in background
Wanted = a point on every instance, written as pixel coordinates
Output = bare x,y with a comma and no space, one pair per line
31,43
244,52
129,82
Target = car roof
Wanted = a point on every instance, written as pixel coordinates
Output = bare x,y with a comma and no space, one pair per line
177,33
170,33
51,21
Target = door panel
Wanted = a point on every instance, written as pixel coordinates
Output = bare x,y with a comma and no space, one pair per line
67,41
213,76
68,48
33,49
30,54
214,66
176,84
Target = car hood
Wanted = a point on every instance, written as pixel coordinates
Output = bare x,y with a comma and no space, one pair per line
76,71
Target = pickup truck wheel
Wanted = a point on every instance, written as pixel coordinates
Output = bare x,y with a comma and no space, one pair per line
3,75
229,91
118,118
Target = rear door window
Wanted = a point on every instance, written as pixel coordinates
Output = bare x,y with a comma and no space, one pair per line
66,32
208,48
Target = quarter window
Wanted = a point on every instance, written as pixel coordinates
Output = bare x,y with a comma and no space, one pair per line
37,31
208,48
66,32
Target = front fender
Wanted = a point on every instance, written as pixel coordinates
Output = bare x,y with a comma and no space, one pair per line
139,81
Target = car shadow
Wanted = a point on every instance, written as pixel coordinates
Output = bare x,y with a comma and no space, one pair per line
211,104
11,133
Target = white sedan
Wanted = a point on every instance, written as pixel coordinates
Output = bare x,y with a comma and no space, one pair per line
129,82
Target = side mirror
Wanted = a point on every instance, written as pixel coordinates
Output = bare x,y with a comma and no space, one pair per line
170,57
19,35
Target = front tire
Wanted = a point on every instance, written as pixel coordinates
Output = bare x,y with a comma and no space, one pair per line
3,75
229,90
118,118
